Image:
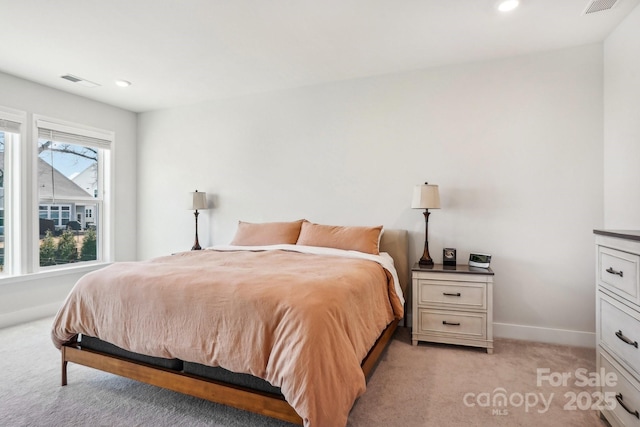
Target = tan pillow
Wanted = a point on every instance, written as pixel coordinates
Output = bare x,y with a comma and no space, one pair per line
267,233
363,239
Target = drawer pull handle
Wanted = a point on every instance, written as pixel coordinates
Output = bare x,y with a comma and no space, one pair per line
444,322
451,294
619,399
612,271
620,335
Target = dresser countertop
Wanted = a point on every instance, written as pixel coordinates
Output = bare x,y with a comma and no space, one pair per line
623,234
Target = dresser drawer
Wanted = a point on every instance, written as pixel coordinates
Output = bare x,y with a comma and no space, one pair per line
621,391
458,295
619,331
439,322
618,271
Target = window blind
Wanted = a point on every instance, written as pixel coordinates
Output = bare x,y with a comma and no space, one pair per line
9,126
62,133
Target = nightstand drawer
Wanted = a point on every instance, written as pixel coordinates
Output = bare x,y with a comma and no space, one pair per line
438,322
618,271
459,295
620,331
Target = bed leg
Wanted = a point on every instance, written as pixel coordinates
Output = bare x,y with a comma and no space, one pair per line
64,366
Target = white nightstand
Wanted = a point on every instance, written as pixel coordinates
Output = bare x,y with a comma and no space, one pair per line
453,305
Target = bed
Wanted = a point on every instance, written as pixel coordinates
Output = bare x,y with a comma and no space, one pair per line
291,358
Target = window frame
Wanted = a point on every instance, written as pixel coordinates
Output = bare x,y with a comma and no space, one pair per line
12,191
104,204
21,204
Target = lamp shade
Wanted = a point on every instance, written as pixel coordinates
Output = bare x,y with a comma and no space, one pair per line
198,200
425,196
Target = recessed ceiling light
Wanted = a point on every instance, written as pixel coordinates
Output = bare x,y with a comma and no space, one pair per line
508,5
123,83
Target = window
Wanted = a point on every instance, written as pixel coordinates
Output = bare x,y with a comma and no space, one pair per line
10,130
72,170
56,187
2,168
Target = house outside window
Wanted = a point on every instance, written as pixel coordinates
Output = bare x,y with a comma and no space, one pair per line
59,214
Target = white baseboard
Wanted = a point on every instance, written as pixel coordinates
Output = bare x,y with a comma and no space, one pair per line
546,335
29,314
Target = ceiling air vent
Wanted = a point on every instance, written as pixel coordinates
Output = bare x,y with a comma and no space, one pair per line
79,80
600,6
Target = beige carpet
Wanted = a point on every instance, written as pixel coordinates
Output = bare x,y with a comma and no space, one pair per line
412,386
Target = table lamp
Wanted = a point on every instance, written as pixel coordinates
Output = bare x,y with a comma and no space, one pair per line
198,202
426,197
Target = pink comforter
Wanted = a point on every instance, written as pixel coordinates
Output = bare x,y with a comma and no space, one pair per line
302,322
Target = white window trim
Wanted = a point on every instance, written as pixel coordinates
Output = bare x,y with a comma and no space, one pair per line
12,183
105,180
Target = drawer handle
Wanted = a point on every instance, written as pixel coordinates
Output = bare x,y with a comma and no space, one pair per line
612,271
451,294
619,399
620,335
444,322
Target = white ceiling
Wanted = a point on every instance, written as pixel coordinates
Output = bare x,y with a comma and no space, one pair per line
184,51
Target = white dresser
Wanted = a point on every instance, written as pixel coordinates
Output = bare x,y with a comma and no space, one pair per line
453,305
618,324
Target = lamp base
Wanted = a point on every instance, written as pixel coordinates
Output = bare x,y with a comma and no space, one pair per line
196,244
425,262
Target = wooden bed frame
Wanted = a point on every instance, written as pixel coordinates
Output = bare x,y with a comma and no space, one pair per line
394,242
270,405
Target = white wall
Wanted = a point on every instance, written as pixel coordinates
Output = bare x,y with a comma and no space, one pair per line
515,145
622,125
33,296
